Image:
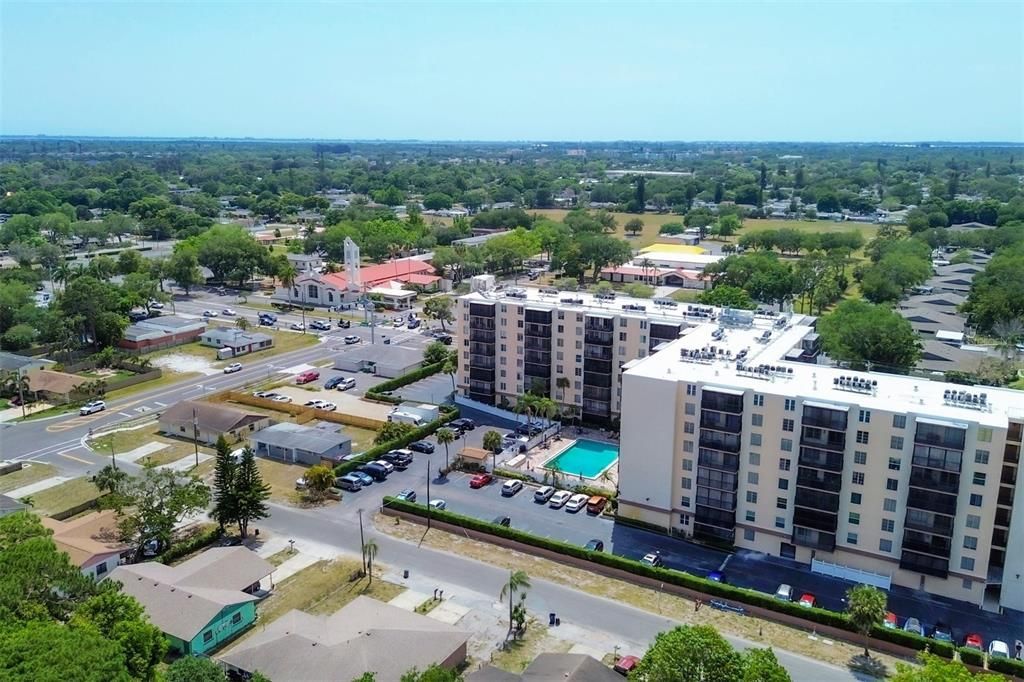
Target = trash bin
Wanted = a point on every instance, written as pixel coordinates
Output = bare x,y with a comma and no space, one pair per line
405,573
558,621
551,619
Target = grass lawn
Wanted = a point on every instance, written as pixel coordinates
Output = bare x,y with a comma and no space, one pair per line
123,441
166,379
54,411
4,404
686,295
284,342
279,558
281,478
323,588
1018,384
29,473
426,607
362,439
519,653
64,496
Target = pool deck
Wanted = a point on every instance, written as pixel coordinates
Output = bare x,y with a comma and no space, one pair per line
534,460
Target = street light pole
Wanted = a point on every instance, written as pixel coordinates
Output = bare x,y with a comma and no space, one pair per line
362,542
428,493
195,434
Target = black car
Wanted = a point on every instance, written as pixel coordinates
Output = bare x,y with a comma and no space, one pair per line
502,521
374,471
423,446
594,546
333,382
344,324
446,339
462,424
400,459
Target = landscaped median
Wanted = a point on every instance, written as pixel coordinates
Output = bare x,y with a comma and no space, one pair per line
378,392
826,623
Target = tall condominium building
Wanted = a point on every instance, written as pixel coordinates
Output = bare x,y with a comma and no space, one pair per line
912,481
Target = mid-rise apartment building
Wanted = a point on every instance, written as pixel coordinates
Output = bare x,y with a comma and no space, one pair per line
725,438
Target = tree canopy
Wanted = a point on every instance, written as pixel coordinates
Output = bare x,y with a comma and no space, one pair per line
865,334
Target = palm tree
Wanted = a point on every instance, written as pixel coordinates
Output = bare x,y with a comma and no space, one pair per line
62,273
646,264
444,437
242,323
525,404
518,581
370,549
546,408
492,441
287,275
1009,332
449,367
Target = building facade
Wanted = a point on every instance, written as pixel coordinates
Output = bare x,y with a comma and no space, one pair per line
880,478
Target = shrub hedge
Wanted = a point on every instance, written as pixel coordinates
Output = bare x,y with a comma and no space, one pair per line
404,380
1007,665
447,414
194,543
724,591
519,476
972,657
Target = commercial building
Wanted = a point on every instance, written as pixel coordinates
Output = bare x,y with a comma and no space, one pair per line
231,342
878,478
161,332
297,444
379,359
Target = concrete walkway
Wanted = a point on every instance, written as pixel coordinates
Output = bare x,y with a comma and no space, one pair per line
32,488
141,451
292,566
12,413
185,463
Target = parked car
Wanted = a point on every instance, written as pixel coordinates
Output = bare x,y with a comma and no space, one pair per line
398,321
913,625
480,480
363,477
267,319
320,325
401,459
426,447
439,504
281,399
344,324
409,495
576,502
306,377
890,621
784,592
233,367
974,641
559,499
502,521
625,665
808,600
156,304
384,463
374,471
297,326
209,313
313,403
998,649
333,382
942,633
349,340
347,383
596,504
511,487
327,406
264,394
717,577
594,546
92,406
462,424
348,482
412,324
446,339
543,494
652,559
229,312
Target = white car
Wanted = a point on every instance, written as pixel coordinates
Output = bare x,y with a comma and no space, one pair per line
93,406
281,399
387,465
439,504
398,321
264,394
559,499
576,502
543,493
350,339
156,304
511,487
346,383
998,649
209,313
327,406
229,312
233,367
297,326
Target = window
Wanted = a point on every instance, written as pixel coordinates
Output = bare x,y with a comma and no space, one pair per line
862,437
855,498
749,534
101,568
684,501
858,478
967,563
757,419
981,456
687,446
784,464
851,538
687,483
691,389
899,421
750,516
786,445
781,503
979,478
622,336
976,500
885,545
688,464
860,457
894,463
984,434
896,442
967,584
755,459
790,405
690,409
755,439
973,521
889,504
688,427
892,484
751,497
236,619
787,424
970,542
752,477
864,417
888,525
207,637
758,400
854,518
780,521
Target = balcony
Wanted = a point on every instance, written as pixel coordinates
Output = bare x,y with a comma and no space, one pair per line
922,563
929,500
1003,516
821,438
481,386
597,408
934,479
819,480
727,442
1005,496
599,338
482,336
721,402
1000,536
1015,432
537,357
481,310
720,421
537,317
480,374
821,459
928,522
603,353
481,361
833,420
815,539
714,516
713,533
719,480
1011,454
718,460
940,436
816,500
597,366
542,330
597,393
937,458
926,543
478,348
537,343
595,379
532,369
599,324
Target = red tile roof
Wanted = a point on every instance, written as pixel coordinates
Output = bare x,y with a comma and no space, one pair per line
402,269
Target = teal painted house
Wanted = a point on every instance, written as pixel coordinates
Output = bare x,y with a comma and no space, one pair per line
200,604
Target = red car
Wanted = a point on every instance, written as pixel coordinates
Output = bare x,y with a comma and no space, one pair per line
307,377
890,620
480,480
624,665
807,600
974,641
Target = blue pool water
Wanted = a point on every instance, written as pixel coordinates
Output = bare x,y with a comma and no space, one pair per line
586,457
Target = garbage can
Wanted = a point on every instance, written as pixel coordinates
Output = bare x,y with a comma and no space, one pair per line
405,573
558,621
551,619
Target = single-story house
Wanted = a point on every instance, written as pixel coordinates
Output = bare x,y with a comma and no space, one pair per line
927,320
240,342
942,356
201,603
379,359
9,505
91,541
551,667
22,364
299,444
366,635
48,384
161,332
210,421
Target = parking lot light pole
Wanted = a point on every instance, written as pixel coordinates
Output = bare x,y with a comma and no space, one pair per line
428,493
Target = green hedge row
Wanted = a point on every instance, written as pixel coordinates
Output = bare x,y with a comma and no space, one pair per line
724,591
193,544
404,380
416,434
1007,665
972,657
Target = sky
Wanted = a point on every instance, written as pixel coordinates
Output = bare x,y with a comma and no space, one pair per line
586,71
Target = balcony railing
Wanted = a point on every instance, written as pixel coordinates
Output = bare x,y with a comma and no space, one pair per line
599,338
600,408
927,522
537,343
1003,516
923,563
718,460
597,366
597,393
948,437
599,324
537,357
481,310
834,420
930,500
533,369
721,421
721,402
937,458
934,479
716,499
821,459
813,538
713,516
596,379
598,353
482,335
935,545
482,374
819,480
816,500
823,438
543,330
481,361
720,480
704,531
717,440
478,348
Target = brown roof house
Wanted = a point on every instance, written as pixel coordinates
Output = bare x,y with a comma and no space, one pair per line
366,635
210,421
56,386
91,541
201,603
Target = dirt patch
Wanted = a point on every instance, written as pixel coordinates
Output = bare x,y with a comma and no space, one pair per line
516,654
185,363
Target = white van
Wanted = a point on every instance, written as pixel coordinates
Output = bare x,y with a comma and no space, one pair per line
405,418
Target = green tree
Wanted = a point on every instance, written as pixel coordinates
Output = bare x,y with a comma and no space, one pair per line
243,323
439,308
139,290
935,669
435,673
111,480
183,268
726,296
18,337
390,431
129,261
492,441
960,257
997,292
95,306
230,253
319,479
225,494
865,607
862,333
120,618
436,201
727,226
251,493
518,583
638,290
634,226
761,665
690,654
154,503
51,652
445,437
192,669
434,353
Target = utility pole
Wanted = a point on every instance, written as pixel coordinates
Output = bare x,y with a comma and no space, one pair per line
362,542
195,434
21,391
113,461
428,493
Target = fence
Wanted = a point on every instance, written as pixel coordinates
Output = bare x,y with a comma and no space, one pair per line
301,413
133,380
853,574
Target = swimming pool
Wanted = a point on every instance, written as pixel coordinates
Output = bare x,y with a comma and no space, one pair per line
587,458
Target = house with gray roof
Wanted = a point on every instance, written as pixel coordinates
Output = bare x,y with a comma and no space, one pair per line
926,320
239,342
22,364
379,359
298,444
202,603
366,635
552,668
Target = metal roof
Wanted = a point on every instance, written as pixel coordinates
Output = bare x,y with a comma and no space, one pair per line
288,435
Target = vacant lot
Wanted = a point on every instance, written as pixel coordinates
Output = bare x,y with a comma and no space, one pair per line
281,478
125,441
284,342
30,473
